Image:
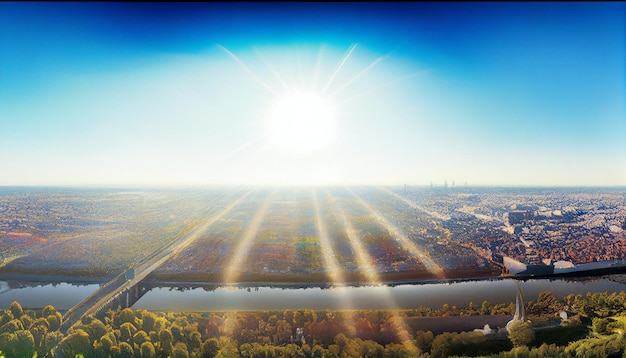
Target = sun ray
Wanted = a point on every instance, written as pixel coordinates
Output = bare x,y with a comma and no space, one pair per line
333,269
316,68
378,88
248,70
235,264
364,261
362,256
405,243
413,205
357,76
229,156
338,68
282,82
204,227
301,82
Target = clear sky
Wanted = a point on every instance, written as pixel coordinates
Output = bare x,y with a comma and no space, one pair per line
312,93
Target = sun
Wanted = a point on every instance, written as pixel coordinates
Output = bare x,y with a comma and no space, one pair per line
301,121
305,87
307,98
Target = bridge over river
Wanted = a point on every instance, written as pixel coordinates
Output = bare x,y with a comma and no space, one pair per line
126,289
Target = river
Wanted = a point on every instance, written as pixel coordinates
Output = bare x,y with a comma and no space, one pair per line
405,296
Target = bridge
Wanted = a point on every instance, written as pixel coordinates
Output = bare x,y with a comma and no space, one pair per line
126,289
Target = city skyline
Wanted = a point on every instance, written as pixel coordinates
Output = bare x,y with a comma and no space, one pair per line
158,94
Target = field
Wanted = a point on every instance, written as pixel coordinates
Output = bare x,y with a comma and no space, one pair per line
305,235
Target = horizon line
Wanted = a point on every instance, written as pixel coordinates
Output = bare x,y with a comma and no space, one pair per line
227,185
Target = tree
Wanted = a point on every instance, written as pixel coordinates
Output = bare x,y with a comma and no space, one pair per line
210,347
471,309
108,340
447,344
282,334
246,350
599,325
126,315
445,309
148,320
147,350
165,337
424,340
12,326
26,320
38,328
19,344
317,351
365,329
399,351
177,333
54,321
346,346
126,350
521,333
180,351
485,308
48,310
195,340
228,347
291,350
441,345
95,328
6,317
16,309
371,349
76,343
602,346
392,330
24,344
127,330
546,303
140,337
49,341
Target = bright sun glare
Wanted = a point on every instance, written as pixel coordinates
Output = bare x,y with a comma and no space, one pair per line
301,122
302,117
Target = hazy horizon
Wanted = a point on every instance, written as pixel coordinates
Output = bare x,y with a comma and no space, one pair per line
299,186
294,94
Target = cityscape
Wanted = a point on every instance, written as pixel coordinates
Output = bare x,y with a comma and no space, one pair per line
130,242
323,235
312,179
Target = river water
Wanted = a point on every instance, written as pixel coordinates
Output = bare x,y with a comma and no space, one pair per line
65,295
61,295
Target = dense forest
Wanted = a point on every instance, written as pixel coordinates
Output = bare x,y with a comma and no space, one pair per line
594,326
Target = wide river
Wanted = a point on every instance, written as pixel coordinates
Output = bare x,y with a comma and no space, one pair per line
65,295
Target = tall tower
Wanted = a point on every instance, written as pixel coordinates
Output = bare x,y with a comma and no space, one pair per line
520,310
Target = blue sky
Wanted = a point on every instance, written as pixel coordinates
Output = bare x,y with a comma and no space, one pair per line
183,94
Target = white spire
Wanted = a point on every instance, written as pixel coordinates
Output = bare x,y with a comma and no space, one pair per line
520,310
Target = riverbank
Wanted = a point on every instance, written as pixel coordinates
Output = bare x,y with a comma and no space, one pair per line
321,279
208,282
286,279
30,279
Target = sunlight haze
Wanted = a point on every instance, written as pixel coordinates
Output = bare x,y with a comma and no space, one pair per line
120,94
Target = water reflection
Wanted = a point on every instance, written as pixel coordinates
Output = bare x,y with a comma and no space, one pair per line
374,297
183,297
61,295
